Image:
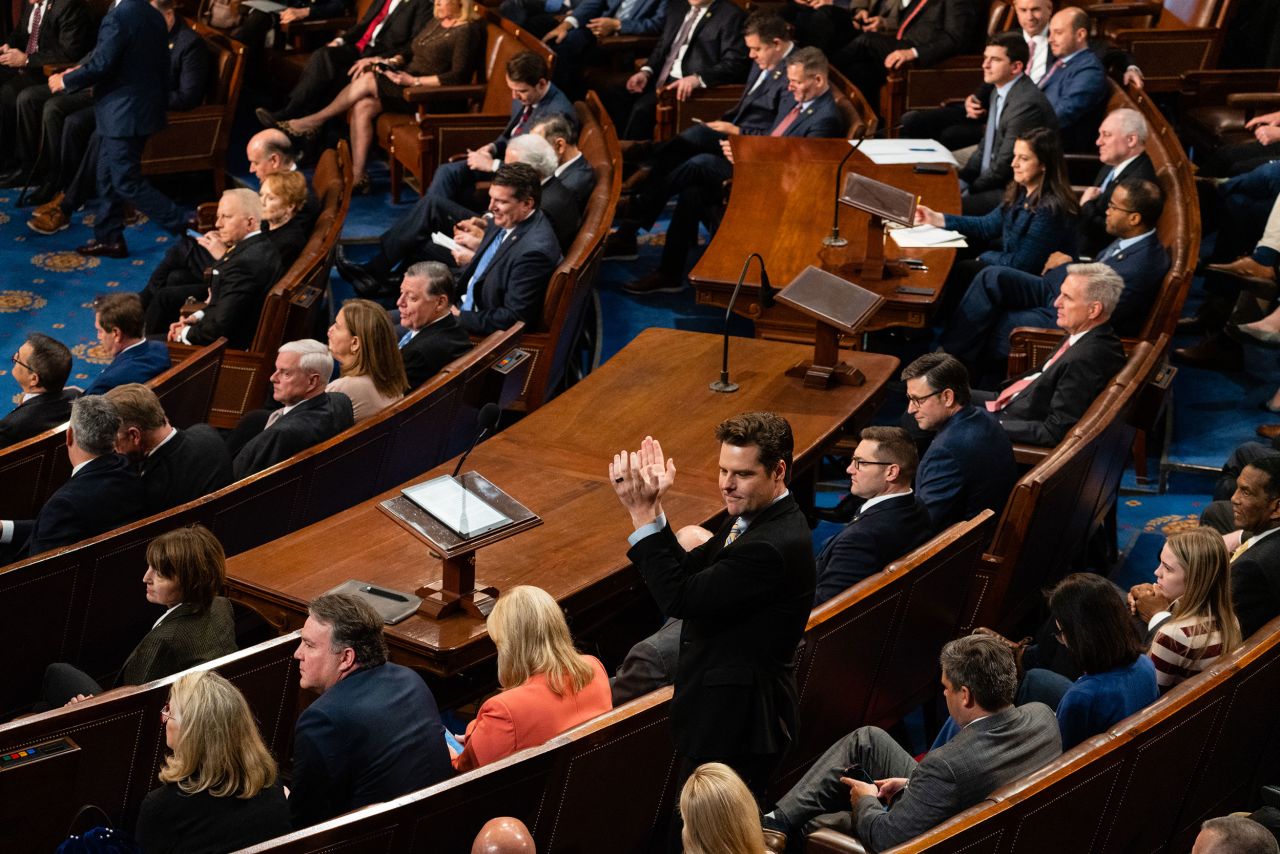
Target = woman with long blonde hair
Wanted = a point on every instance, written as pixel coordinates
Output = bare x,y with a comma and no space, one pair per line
719,814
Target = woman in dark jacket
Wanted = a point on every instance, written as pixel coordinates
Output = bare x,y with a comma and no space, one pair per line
283,195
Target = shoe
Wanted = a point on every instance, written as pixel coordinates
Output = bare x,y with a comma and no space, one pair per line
621,245
841,513
1268,431
131,216
1216,353
1193,325
365,283
293,133
49,206
363,185
48,220
1245,268
95,249
775,841
1248,334
655,283
266,118
637,178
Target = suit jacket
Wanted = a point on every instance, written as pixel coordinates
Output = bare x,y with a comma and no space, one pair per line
716,51
183,639
128,70
66,34
1078,92
646,19
649,665
1255,584
1092,223
398,30
820,119
190,67
135,365
580,180
374,736
756,112
1053,403
309,423
105,494
563,212
289,240
553,103
432,348
940,29
1025,107
871,541
1026,236
192,464
1143,266
984,756
744,608
515,284
42,412
241,280
968,468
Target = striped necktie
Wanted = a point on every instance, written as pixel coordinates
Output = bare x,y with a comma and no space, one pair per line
739,525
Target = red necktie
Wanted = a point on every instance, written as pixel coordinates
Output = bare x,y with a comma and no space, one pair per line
373,26
1015,388
34,38
524,117
920,4
787,120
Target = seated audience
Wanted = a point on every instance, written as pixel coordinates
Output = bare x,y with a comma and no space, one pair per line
1118,678
102,493
1238,158
177,466
1234,834
118,319
1037,212
363,343
448,51
547,686
282,196
719,813
256,26
996,744
891,521
575,38
1040,406
221,791
433,337
969,465
40,368
504,835
573,170
308,415
374,733
1076,83
186,571
1122,148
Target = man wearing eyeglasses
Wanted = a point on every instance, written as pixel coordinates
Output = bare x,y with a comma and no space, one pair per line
40,367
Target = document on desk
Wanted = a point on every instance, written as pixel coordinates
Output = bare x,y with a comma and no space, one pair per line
927,237
886,151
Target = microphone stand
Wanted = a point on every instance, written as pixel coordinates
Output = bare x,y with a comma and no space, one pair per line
723,385
834,238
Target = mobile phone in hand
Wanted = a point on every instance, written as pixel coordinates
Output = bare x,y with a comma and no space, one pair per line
857,772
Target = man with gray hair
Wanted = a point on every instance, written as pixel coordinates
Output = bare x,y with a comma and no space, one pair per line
102,493
432,338
1234,834
1040,406
308,414
1122,148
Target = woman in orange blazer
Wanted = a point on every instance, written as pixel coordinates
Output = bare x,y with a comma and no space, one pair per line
548,686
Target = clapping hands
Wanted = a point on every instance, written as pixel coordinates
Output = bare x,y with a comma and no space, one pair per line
640,479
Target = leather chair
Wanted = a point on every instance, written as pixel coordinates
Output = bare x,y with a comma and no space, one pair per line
1186,36
1216,105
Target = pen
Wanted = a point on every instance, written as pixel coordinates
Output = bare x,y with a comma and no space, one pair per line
919,149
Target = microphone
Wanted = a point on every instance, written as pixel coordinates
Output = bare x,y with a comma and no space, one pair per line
723,385
488,419
834,238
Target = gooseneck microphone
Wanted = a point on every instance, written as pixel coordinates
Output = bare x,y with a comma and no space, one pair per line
834,238
766,301
486,420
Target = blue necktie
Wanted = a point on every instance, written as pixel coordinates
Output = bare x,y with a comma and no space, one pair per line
1107,180
469,301
988,141
406,338
1109,251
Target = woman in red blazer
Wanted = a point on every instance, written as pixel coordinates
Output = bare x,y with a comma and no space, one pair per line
548,686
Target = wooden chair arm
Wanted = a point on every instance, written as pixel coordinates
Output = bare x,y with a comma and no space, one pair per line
55,68
822,841
627,44
1123,10
1029,455
206,216
1022,341
952,102
1253,100
427,94
1233,79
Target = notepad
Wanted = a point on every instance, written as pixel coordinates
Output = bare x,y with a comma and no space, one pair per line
442,239
885,151
927,237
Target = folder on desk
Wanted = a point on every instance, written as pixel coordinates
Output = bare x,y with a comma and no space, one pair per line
875,197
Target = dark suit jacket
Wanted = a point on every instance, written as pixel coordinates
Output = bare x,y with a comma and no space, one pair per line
432,348
716,51
1027,237
241,280
968,468
1092,223
515,284
820,119
105,494
183,639
307,424
374,736
128,70
1078,92
42,412
942,28
289,240
756,112
192,464
874,539
1143,266
562,210
190,67
66,34
134,365
1025,107
1255,584
580,180
646,18
650,664
1049,407
744,609
398,30
553,103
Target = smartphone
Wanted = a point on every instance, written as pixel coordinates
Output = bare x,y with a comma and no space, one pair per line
915,292
932,169
697,121
856,772
193,234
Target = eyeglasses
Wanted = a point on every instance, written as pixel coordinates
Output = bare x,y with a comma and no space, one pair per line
1114,206
18,361
859,464
919,401
166,715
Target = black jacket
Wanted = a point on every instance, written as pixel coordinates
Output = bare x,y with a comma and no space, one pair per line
105,494
309,423
42,412
241,280
1255,584
67,34
563,211
1092,222
514,286
716,51
432,348
192,464
873,539
398,30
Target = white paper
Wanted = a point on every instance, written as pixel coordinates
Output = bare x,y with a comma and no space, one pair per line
441,239
927,237
886,151
264,5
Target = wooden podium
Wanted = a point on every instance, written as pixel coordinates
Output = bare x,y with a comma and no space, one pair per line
458,589
838,306
884,203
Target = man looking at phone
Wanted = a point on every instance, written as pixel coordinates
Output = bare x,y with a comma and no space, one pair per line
897,798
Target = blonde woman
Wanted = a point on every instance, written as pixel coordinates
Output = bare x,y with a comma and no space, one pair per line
1195,576
220,790
547,686
719,814
364,344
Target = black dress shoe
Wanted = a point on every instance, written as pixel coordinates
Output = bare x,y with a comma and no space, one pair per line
41,195
363,282
841,513
1191,324
265,117
94,249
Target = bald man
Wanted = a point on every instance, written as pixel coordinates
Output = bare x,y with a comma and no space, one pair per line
503,835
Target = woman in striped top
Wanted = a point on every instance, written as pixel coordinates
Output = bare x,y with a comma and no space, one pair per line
1195,575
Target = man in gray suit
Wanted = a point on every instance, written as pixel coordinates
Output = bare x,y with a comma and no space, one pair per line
997,743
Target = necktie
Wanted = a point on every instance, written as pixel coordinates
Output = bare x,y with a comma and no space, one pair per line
373,26
469,301
739,525
273,418
1015,388
406,338
1242,548
920,4
1107,253
989,139
524,117
787,121
682,38
1045,79
33,40
623,12
1107,180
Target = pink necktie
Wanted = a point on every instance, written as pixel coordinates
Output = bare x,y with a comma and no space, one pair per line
1014,389
787,121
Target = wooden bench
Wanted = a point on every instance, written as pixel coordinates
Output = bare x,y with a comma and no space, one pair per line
1186,36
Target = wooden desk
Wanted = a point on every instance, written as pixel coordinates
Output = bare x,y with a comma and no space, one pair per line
780,206
555,462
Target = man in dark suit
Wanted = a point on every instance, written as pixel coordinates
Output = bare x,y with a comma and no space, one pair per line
744,596
998,742
1040,406
1076,82
701,45
432,337
969,466
1122,148
40,368
1000,299
129,73
506,278
177,466
308,414
575,38
891,521
103,492
374,733
119,322
577,175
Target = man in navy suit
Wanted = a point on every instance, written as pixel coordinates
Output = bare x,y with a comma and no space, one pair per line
375,732
40,367
1076,82
103,492
575,38
129,73
1000,299
1122,148
119,320
969,466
